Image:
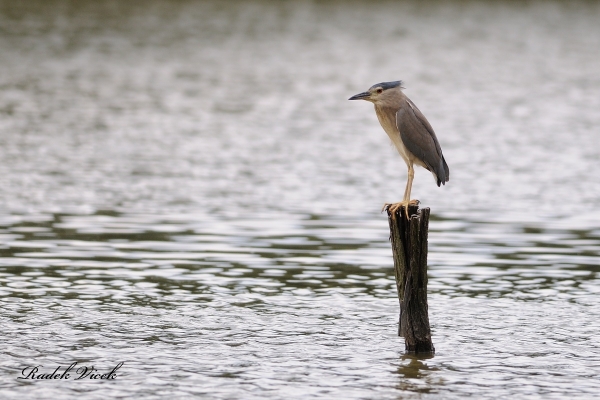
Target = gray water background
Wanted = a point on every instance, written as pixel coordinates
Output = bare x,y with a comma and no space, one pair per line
185,188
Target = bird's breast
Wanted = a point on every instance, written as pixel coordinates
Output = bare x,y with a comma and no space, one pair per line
387,119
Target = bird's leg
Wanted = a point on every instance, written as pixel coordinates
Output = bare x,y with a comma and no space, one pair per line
406,201
411,176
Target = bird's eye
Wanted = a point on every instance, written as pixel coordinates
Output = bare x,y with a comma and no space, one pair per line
380,90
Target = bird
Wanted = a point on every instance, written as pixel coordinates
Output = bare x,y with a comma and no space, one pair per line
411,134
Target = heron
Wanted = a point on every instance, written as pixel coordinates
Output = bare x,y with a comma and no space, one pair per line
411,134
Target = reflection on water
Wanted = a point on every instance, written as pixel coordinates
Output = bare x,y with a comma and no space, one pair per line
186,189
317,254
417,376
301,300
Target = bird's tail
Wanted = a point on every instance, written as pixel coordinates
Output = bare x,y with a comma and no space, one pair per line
444,173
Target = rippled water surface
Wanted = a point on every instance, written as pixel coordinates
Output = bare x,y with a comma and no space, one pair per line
185,189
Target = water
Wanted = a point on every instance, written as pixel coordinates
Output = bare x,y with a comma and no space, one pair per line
185,189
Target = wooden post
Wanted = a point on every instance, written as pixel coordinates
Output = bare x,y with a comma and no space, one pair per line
409,248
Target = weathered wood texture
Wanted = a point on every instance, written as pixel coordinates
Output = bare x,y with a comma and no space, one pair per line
409,248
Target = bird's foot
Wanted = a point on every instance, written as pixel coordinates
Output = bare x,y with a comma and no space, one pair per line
393,207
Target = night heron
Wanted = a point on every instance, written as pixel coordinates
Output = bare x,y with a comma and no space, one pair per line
410,132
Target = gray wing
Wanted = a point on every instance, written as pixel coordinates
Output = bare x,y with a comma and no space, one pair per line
419,138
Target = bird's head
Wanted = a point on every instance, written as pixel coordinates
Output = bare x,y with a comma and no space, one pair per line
380,93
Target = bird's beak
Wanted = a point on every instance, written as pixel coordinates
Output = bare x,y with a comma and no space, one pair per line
361,96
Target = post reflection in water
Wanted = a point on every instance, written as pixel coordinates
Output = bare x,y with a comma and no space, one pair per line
417,376
186,189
